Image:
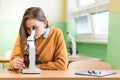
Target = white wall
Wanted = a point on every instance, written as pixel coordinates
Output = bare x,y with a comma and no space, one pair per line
14,9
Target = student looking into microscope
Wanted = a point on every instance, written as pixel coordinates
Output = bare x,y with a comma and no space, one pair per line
49,42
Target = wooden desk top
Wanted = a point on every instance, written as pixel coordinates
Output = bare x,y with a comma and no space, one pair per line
54,75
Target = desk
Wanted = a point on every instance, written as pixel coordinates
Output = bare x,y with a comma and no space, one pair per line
54,75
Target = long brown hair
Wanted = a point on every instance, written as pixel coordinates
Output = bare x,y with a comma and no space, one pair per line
30,13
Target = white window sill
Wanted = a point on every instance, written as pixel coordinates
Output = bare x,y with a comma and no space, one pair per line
98,40
92,41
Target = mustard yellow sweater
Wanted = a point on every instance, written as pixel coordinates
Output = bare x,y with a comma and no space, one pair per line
52,51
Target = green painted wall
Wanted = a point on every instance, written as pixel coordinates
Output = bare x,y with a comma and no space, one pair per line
8,33
63,27
93,50
113,56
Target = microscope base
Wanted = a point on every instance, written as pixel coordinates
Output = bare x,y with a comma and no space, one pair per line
31,71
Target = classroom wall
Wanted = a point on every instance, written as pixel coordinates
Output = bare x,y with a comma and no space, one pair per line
113,56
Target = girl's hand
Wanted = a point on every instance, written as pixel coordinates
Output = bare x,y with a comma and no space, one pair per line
18,63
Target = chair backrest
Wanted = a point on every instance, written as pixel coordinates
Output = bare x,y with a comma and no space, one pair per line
89,65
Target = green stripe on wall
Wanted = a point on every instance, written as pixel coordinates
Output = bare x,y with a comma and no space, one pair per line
8,33
93,50
63,27
113,56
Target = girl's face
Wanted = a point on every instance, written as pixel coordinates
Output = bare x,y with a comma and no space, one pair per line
40,27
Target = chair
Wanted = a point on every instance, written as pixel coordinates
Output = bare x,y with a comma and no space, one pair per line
5,59
89,65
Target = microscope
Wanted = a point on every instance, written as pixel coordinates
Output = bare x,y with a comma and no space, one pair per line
30,57
73,47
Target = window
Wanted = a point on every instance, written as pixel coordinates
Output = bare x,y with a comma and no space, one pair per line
91,21
96,24
83,24
100,23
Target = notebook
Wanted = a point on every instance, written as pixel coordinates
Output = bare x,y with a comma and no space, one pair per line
97,73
